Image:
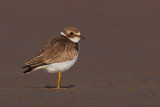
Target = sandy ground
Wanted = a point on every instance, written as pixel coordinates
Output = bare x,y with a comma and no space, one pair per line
118,64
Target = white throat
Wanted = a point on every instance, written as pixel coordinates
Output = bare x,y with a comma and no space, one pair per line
75,39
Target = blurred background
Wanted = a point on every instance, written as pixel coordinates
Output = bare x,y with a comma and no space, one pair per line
118,63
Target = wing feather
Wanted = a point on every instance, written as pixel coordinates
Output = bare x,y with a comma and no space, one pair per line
56,50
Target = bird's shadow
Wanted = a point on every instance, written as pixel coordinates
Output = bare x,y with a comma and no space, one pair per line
54,87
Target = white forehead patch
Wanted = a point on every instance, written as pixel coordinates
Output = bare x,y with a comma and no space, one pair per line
78,33
75,39
62,34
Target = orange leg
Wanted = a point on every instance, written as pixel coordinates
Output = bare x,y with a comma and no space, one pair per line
59,80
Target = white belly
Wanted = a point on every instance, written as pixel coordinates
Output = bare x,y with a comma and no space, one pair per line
58,67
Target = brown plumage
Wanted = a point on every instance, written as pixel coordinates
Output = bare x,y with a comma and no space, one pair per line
58,54
59,49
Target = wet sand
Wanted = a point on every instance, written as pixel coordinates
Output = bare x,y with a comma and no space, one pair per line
118,64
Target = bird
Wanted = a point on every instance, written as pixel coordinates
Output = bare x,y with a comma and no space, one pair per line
58,54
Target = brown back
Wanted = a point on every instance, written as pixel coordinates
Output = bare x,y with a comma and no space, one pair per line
59,49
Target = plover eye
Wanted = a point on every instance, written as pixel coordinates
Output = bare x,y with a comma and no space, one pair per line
71,33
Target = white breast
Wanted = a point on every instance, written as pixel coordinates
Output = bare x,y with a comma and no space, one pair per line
58,67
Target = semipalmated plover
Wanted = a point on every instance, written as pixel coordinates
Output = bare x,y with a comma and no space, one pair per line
58,54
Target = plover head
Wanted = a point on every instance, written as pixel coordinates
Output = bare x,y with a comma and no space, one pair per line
72,33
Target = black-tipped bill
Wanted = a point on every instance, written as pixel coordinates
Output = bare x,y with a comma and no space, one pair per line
82,37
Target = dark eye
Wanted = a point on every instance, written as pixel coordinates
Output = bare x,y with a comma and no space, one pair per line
71,33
